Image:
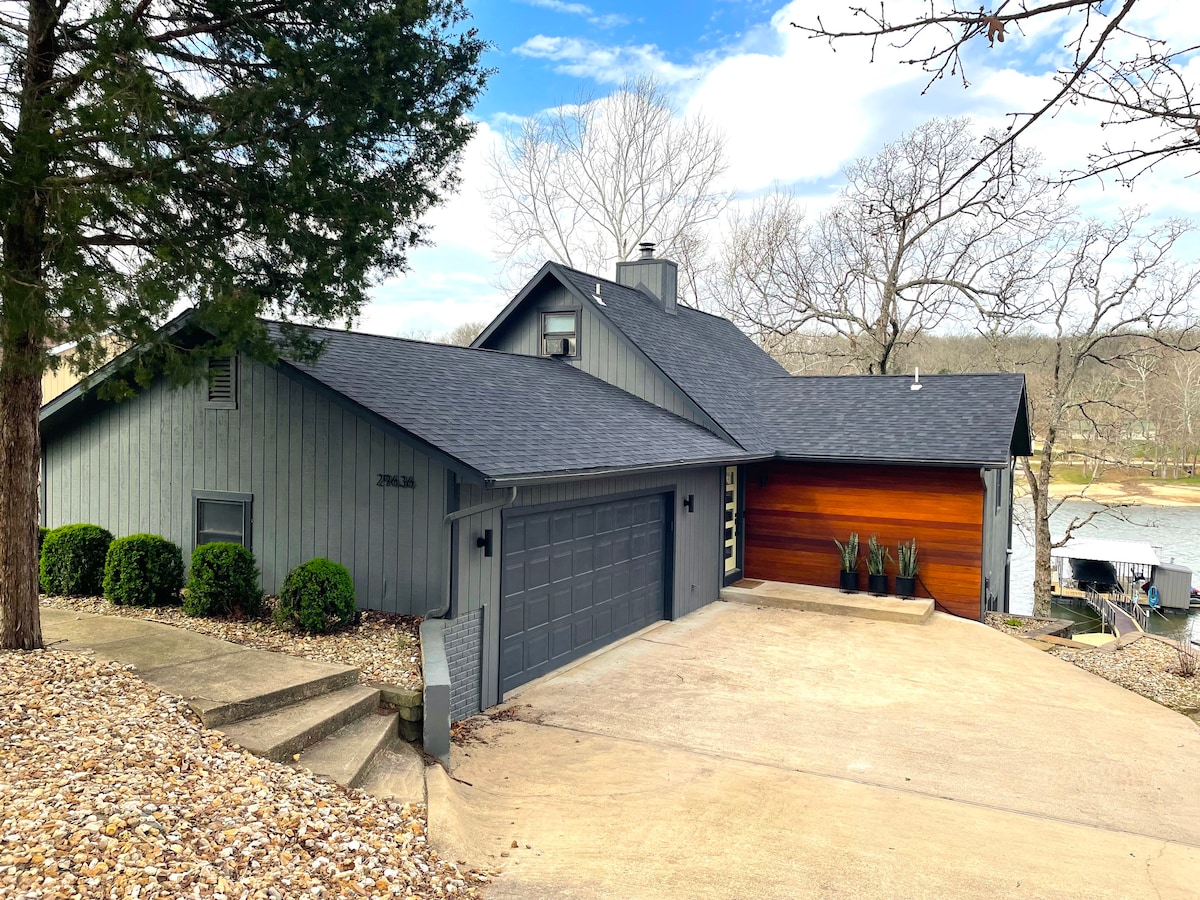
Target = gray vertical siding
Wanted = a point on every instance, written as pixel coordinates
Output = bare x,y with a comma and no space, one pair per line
311,467
696,564
997,524
604,352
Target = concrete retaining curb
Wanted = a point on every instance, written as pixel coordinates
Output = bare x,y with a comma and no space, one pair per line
434,669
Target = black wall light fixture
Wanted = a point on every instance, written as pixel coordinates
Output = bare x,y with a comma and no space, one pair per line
690,503
485,541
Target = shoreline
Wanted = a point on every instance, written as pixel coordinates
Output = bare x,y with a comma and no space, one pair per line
1135,493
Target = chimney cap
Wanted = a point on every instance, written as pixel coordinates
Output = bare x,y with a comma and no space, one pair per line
647,249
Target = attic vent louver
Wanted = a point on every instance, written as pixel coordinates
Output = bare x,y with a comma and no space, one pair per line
221,381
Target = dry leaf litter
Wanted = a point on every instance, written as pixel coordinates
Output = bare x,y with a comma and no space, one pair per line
385,648
108,789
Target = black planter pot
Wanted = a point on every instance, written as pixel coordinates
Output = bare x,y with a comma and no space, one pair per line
849,582
906,587
877,584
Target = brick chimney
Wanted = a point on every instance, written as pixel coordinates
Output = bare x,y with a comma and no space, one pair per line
659,277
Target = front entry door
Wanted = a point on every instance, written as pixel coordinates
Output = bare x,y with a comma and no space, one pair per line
730,522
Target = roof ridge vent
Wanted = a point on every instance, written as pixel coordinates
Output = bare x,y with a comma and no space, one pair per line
916,385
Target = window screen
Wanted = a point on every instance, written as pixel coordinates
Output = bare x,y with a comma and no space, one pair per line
222,520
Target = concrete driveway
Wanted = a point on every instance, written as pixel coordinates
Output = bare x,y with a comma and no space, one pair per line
762,753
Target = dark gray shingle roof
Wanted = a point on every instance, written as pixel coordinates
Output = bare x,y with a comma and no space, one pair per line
954,419
506,415
708,357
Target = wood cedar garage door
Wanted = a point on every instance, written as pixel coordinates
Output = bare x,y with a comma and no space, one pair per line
576,579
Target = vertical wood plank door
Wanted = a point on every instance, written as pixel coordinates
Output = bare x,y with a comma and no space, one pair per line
794,511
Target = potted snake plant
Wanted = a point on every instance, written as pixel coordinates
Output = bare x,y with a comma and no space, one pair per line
906,568
848,581
877,560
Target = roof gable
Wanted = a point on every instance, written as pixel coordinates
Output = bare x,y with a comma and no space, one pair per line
706,358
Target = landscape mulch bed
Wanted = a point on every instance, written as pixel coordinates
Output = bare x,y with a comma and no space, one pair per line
109,788
1147,666
386,648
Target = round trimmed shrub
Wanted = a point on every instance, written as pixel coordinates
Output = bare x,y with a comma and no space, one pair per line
72,560
317,596
143,570
223,581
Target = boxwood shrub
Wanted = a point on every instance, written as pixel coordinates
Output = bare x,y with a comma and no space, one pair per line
223,581
143,570
317,596
72,560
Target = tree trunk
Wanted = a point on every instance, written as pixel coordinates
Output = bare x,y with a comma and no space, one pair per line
20,455
1039,484
22,335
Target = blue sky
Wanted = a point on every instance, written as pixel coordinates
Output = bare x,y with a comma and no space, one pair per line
793,113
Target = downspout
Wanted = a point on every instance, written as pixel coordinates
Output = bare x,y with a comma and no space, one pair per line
435,668
450,519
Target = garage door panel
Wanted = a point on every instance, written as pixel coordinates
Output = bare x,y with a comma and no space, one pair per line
537,533
584,524
560,565
537,612
581,596
582,560
578,579
560,604
514,580
536,572
537,649
561,642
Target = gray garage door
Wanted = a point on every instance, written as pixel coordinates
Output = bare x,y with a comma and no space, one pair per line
576,579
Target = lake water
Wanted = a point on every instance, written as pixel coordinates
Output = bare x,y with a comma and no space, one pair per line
1174,531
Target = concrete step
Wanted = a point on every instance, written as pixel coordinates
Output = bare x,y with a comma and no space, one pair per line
282,733
831,601
398,773
347,754
250,683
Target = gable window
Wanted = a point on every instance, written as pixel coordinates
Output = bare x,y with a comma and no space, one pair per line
560,333
223,516
222,382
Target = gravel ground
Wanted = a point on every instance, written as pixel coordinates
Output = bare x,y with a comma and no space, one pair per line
998,620
386,648
1146,666
110,789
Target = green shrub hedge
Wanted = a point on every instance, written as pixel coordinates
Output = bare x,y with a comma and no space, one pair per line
317,596
72,560
143,570
42,532
223,581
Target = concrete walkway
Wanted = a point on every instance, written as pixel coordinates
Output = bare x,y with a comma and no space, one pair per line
223,682
767,753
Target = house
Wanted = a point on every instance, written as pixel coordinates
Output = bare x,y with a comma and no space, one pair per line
601,458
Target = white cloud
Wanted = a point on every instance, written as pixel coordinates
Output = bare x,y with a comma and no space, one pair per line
795,113
600,20
605,64
571,9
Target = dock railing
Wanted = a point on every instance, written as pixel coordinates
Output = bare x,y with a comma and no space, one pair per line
1118,612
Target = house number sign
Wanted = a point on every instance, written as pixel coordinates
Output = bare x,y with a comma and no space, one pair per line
396,481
